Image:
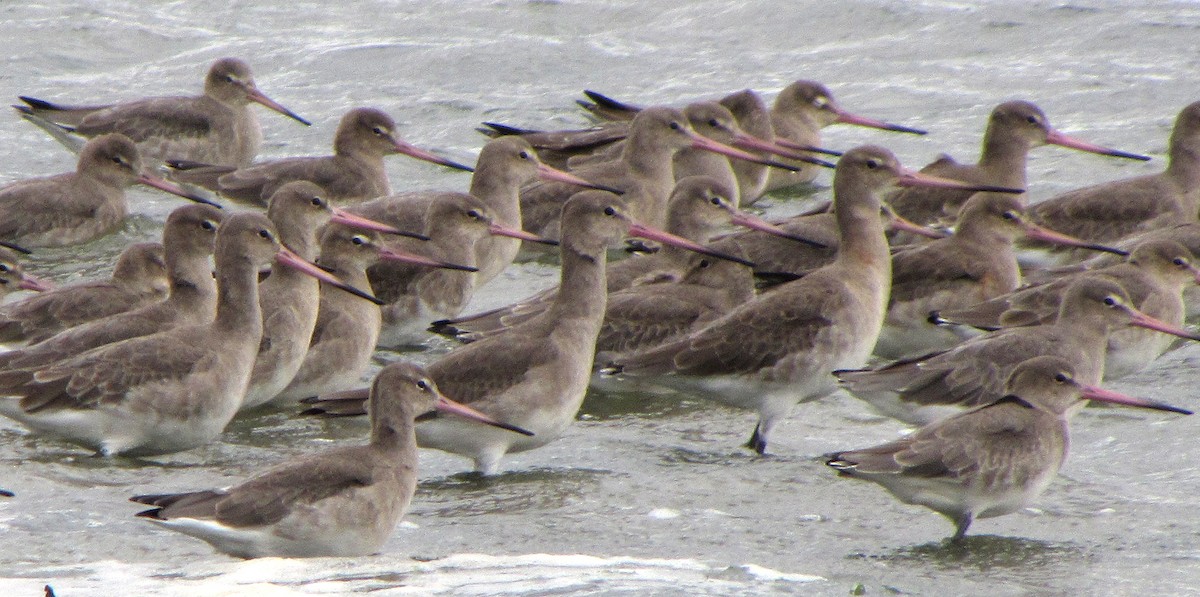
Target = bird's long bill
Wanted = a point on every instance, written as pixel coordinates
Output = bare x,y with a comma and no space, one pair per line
910,178
257,96
752,143
753,222
30,282
447,405
15,247
413,258
341,216
411,150
1141,320
899,223
1056,138
550,173
845,117
702,142
1038,233
642,231
502,230
174,189
788,143
1103,395
287,257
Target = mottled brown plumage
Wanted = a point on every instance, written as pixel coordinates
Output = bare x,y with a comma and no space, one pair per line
354,173
644,172
537,373
165,392
78,206
776,350
341,502
188,245
1112,211
779,348
1154,276
139,278
975,264
973,373
992,460
290,299
504,165
661,308
1014,128
346,329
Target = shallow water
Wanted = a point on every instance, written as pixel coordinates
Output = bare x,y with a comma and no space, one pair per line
646,494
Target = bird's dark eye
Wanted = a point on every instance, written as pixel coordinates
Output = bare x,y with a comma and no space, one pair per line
524,155
229,78
1008,215
317,202
423,385
1179,261
264,233
872,164
675,126
610,211
358,240
705,263
1061,377
474,214
377,130
5,268
208,225
715,200
1031,119
1110,301
714,123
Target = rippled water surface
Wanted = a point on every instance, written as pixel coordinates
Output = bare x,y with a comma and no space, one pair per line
645,494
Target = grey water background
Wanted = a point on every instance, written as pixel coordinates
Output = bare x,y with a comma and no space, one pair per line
645,494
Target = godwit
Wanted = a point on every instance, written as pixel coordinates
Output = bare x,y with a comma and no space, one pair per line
139,278
1013,129
78,206
217,127
355,172
166,392
778,349
1155,276
973,373
534,376
994,459
1112,211
341,502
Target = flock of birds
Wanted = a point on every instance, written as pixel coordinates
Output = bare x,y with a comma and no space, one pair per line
159,358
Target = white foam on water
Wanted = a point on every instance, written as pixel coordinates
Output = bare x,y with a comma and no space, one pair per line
459,574
663,513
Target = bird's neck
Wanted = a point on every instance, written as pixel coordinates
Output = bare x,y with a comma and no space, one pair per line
191,279
238,311
394,434
1184,164
1004,162
863,243
500,191
582,291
